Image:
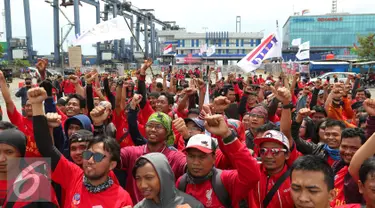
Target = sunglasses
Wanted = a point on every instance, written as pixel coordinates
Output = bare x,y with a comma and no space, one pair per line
98,157
274,151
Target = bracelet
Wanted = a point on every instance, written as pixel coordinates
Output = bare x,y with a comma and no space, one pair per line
230,138
288,106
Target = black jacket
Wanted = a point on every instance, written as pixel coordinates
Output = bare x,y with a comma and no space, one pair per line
307,148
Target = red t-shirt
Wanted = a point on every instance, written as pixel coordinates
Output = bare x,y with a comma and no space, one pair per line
339,187
25,126
350,206
3,191
77,194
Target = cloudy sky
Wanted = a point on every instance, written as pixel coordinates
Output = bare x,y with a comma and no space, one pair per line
194,15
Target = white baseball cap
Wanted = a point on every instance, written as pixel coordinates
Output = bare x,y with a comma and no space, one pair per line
202,143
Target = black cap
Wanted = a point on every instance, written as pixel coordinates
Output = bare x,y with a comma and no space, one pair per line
14,138
81,135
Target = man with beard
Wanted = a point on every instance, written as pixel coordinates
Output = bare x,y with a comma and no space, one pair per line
22,93
87,187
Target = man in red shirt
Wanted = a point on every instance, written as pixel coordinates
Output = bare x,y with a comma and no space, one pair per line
201,158
88,187
12,148
24,124
312,182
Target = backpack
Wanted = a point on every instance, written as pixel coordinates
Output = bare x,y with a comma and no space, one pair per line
218,188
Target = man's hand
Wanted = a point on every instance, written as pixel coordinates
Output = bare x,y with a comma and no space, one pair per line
190,91
90,77
99,114
216,125
220,104
180,126
37,95
137,98
147,63
369,106
296,76
2,78
73,79
282,94
54,120
303,113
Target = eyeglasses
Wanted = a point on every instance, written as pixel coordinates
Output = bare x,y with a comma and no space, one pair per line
274,151
154,126
98,157
256,115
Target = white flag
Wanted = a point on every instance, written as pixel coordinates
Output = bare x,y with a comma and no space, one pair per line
303,55
304,46
296,42
211,50
203,49
270,47
113,29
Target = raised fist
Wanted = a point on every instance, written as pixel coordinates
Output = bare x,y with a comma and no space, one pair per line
282,94
303,113
73,79
137,98
181,127
99,114
369,106
36,95
221,103
190,91
54,120
216,125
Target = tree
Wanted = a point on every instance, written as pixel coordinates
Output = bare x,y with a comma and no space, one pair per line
366,48
1,51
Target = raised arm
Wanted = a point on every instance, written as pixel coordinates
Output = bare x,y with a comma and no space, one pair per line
239,183
6,94
283,94
365,151
369,105
136,136
43,138
302,146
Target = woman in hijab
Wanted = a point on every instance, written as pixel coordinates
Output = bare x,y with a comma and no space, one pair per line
156,181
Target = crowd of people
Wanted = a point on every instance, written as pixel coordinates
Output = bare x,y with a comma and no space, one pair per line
112,141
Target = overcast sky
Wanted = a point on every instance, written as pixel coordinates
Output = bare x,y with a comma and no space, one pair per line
194,15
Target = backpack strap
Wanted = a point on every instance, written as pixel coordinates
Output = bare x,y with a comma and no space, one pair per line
219,188
183,183
123,137
274,188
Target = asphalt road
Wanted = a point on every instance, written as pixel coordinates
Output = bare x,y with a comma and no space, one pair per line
17,101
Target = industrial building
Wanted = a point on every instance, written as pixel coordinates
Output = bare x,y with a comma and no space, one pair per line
334,33
229,45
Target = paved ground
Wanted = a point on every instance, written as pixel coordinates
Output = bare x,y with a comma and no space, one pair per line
17,101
